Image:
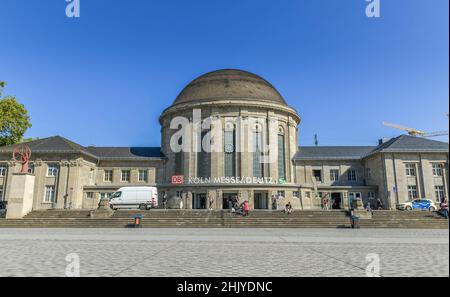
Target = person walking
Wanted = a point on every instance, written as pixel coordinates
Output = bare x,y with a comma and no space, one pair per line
274,202
246,208
230,204
369,208
165,201
379,204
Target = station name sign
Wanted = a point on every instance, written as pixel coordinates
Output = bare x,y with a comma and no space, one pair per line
180,180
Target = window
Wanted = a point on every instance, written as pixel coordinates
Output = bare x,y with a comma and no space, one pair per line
351,175
410,169
437,169
368,173
125,176
317,175
230,152
281,158
412,192
1,194
295,194
31,168
2,171
258,165
108,176
371,195
105,195
179,194
439,193
334,174
92,176
116,194
280,194
90,195
49,194
52,170
143,175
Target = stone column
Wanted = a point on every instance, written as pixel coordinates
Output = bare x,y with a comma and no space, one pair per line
189,199
219,199
62,184
251,199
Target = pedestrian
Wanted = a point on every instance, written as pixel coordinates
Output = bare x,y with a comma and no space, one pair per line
369,208
165,201
274,202
246,208
325,203
379,204
288,208
444,208
230,204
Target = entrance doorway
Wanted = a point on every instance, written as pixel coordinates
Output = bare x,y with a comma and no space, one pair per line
199,201
227,197
336,201
352,198
261,201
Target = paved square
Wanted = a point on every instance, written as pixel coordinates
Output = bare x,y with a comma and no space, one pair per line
223,252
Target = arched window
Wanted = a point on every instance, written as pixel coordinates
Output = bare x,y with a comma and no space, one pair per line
281,155
257,139
230,150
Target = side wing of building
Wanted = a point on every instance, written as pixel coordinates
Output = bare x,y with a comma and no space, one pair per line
399,170
71,176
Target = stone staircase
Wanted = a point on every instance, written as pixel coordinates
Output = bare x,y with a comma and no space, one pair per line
223,219
406,220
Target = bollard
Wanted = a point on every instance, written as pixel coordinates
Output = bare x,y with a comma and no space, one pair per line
137,221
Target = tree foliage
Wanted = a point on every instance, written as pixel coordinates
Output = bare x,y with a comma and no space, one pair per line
14,119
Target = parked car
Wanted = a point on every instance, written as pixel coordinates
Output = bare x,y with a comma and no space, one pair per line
135,197
418,204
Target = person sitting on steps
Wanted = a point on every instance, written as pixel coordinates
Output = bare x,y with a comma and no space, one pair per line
288,208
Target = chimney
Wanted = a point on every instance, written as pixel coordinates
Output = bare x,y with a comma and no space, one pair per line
383,140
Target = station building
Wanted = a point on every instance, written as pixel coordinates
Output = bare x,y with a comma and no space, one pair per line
69,175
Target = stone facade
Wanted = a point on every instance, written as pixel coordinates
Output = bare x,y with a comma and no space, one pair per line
68,175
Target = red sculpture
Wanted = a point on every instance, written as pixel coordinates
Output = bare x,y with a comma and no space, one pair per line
22,154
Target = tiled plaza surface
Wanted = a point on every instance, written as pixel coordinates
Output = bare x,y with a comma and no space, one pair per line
224,252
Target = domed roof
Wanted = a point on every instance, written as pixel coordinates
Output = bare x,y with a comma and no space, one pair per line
229,84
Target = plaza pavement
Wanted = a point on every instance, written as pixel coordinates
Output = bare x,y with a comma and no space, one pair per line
224,252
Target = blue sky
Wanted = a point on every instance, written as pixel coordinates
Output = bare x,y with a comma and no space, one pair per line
104,78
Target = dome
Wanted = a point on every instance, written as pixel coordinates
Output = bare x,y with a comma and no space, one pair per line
229,84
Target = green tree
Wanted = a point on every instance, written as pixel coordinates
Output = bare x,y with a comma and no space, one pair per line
14,119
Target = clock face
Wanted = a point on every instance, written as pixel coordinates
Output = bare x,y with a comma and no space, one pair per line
229,148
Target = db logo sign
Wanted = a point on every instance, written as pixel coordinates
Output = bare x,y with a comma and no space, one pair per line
177,180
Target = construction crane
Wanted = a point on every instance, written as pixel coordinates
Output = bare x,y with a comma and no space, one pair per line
415,132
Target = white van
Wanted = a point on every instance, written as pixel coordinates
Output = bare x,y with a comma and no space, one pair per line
135,197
